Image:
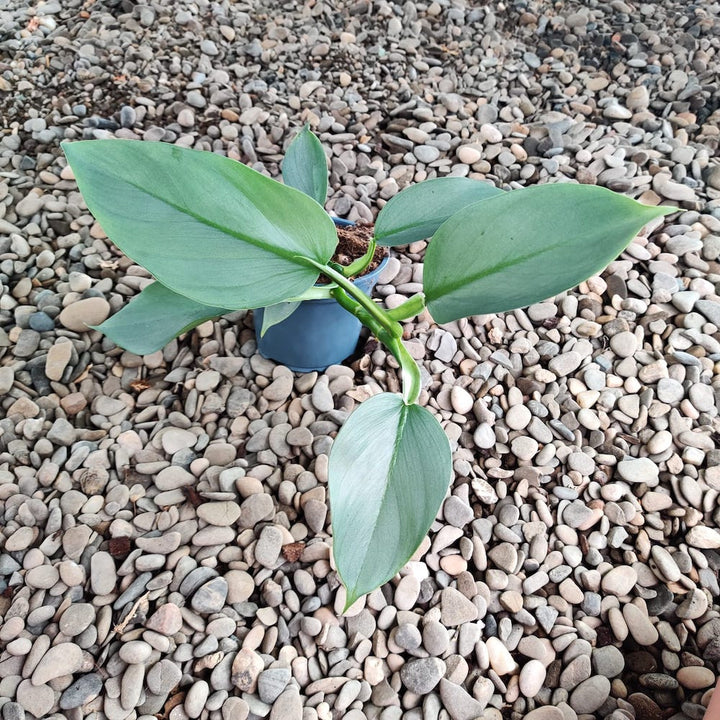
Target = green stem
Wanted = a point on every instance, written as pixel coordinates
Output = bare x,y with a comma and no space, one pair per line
373,310
385,328
354,308
410,308
316,292
409,372
357,266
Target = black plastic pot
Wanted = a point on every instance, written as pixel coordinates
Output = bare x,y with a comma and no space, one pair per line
319,333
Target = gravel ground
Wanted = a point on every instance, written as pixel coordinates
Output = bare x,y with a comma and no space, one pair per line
164,533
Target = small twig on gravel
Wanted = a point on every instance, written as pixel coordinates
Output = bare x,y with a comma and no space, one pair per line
120,627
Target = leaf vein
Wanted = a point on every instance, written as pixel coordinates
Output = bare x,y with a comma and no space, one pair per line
276,250
449,287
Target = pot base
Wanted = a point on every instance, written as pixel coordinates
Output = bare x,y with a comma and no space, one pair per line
318,334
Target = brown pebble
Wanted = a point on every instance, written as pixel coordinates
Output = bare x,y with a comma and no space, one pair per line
73,403
645,707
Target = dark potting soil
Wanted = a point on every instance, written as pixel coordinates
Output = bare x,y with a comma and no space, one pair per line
353,241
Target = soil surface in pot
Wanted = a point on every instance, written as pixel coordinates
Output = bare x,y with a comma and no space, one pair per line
353,241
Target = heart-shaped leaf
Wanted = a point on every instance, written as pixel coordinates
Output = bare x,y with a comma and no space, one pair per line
154,317
207,227
527,245
419,210
390,467
305,166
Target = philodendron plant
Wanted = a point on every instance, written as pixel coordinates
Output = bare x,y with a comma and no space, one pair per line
219,236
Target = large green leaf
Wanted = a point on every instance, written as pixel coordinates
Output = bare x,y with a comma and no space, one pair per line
525,246
390,468
153,318
305,166
207,227
419,210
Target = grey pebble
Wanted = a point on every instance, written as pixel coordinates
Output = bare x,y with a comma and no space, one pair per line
408,637
267,549
41,322
131,685
128,116
426,153
163,677
210,597
710,309
589,695
76,619
84,689
38,700
133,591
196,698
608,661
459,703
279,389
135,651
435,637
195,578
13,711
421,675
272,682
322,398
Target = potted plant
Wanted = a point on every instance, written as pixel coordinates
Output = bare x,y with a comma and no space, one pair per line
219,236
315,332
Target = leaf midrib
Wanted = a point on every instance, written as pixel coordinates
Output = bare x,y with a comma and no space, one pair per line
450,287
402,420
280,252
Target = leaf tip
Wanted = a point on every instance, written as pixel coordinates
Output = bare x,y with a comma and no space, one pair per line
654,211
352,596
